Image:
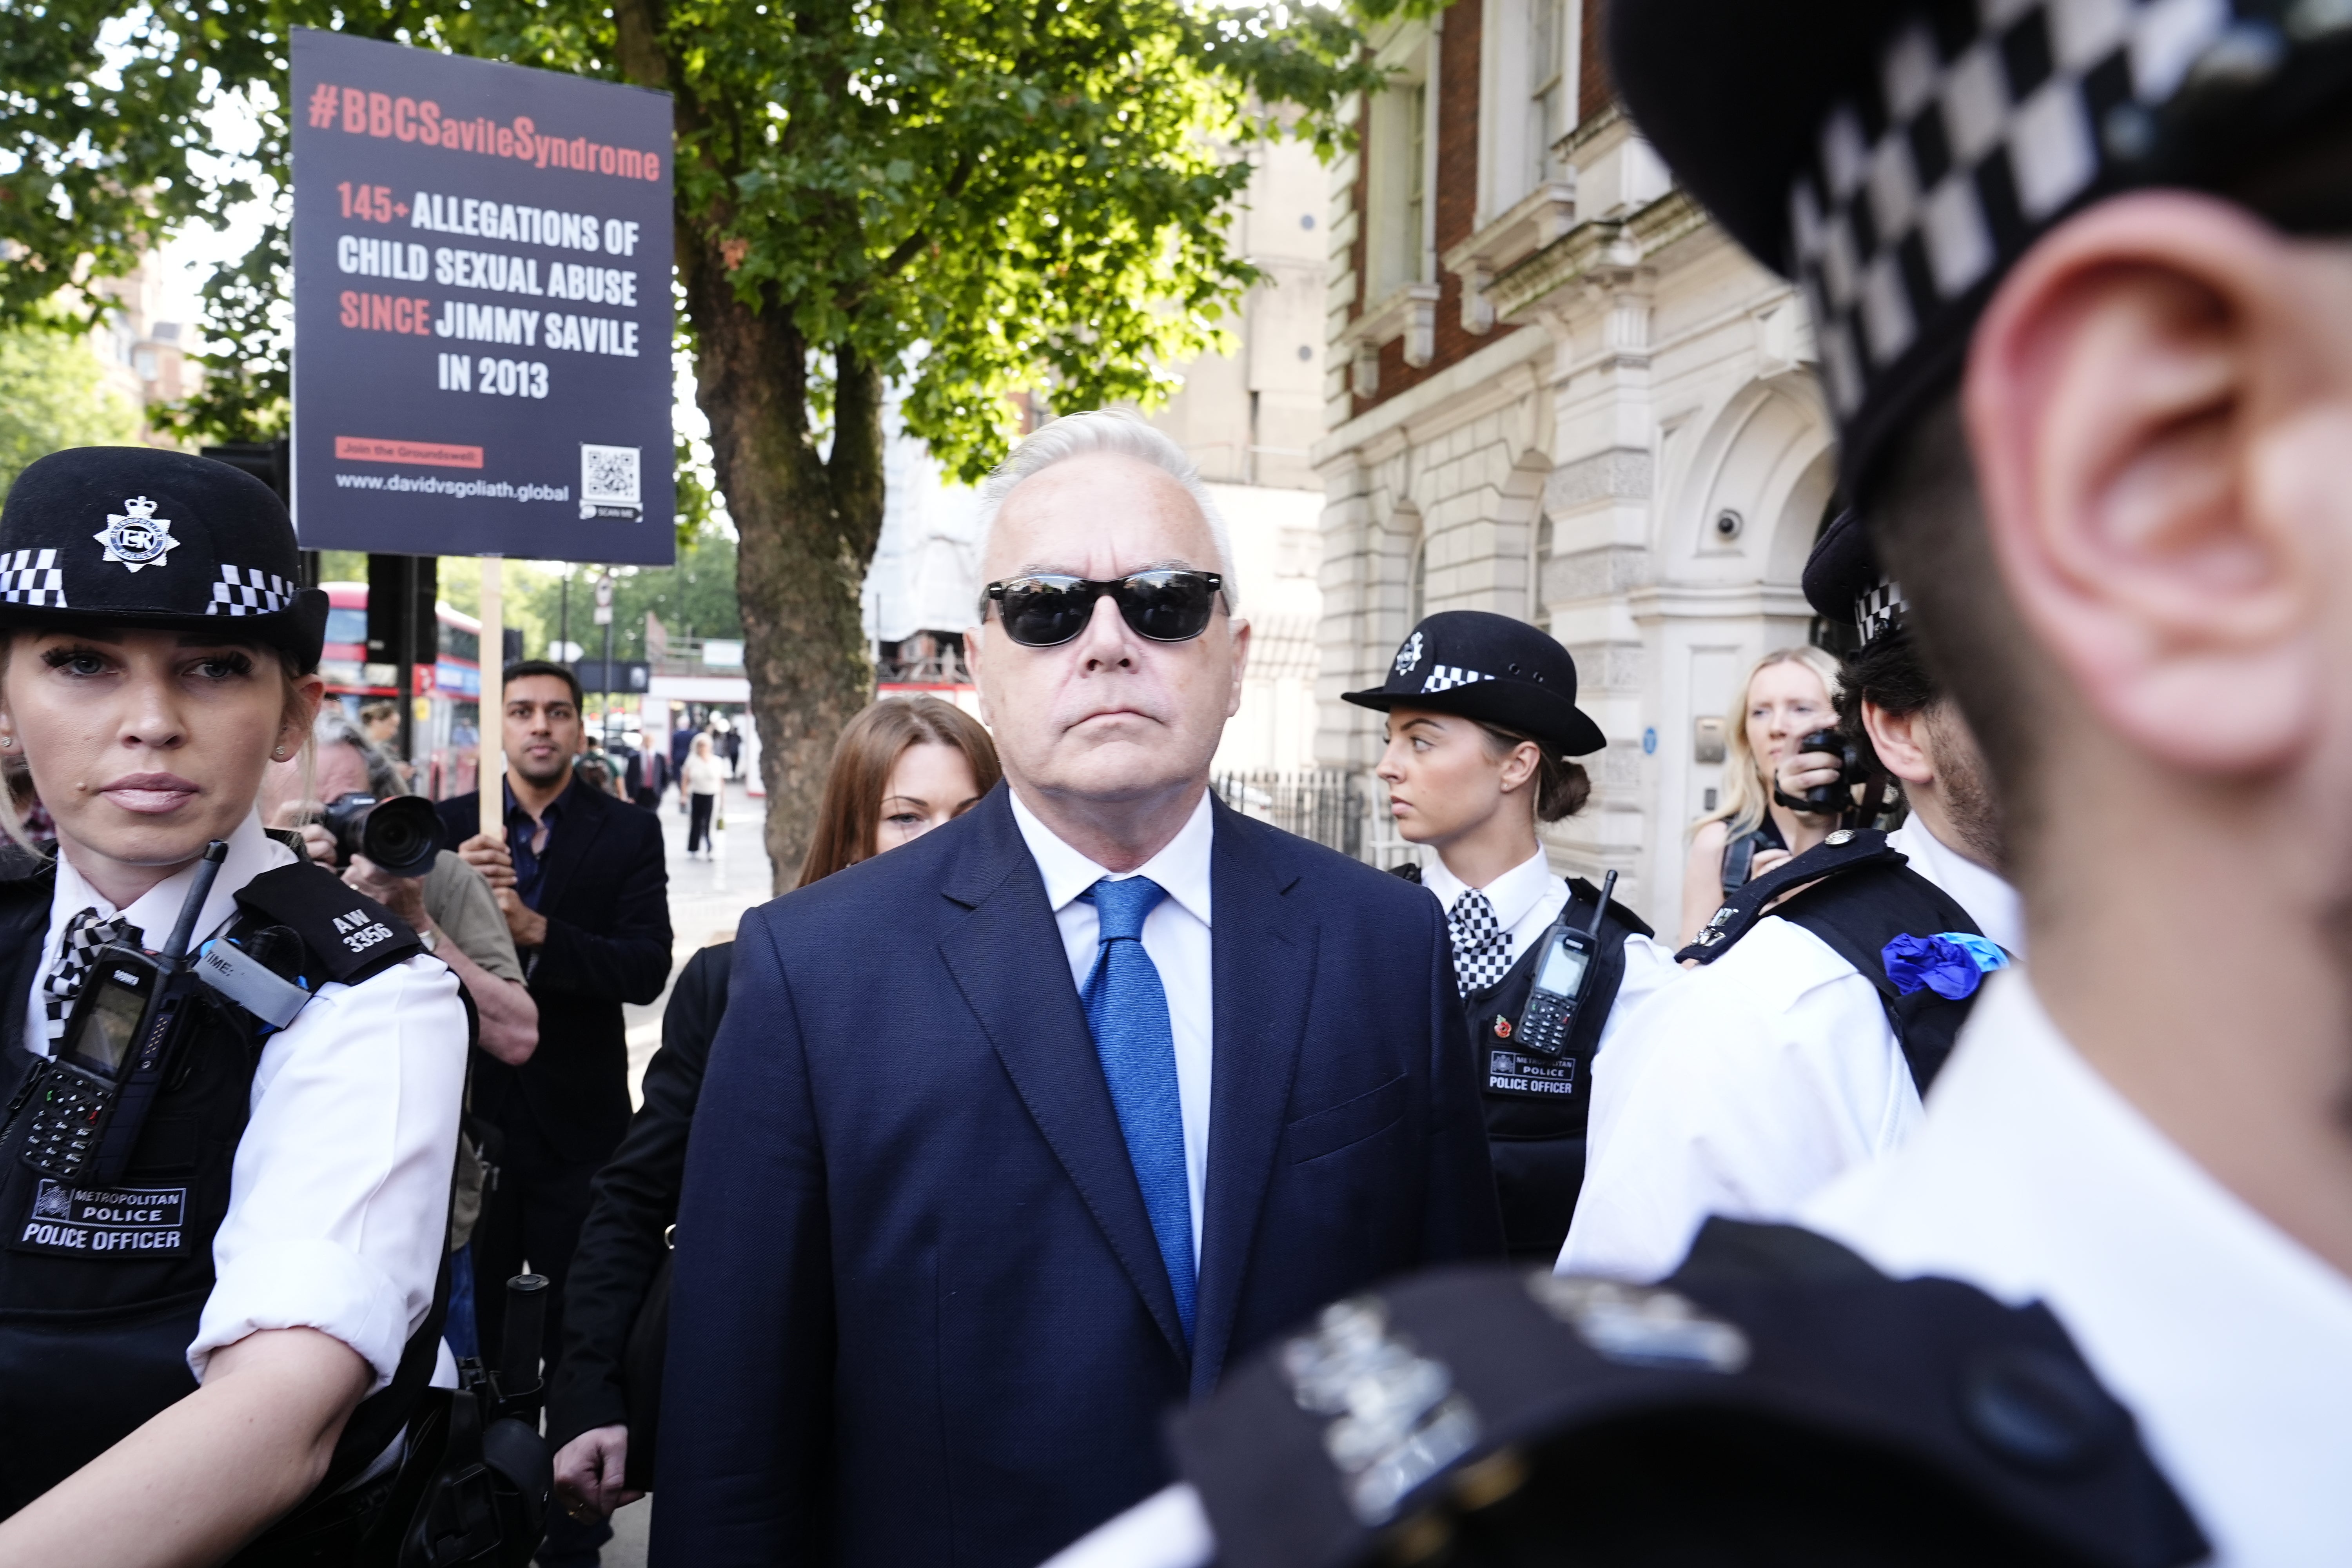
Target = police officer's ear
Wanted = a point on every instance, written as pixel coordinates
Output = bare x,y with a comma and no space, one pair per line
304,695
2160,402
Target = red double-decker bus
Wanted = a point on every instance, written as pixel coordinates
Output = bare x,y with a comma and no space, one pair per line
448,690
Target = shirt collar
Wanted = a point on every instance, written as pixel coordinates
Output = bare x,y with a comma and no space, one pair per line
154,912
2032,1178
1181,867
554,807
1513,893
1992,902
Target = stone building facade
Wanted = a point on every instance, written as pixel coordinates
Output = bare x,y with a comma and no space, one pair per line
1554,390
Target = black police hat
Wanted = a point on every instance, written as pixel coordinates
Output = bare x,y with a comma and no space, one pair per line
1492,669
1843,580
124,536
1897,159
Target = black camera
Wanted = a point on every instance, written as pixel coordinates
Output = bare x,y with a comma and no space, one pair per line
402,833
1852,771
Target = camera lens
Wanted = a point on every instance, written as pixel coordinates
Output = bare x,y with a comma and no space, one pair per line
402,835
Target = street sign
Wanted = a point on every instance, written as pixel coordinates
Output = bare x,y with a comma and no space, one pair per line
482,308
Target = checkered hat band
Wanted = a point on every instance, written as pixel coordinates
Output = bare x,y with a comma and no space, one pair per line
1877,611
32,577
1986,123
250,591
1445,677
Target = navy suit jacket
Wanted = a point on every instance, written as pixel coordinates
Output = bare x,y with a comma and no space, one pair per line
918,1316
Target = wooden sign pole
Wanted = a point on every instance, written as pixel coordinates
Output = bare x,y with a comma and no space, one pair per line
492,658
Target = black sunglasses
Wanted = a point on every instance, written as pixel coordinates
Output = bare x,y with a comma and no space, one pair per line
1048,609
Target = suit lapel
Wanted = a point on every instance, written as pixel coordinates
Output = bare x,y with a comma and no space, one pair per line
1008,960
1262,972
568,842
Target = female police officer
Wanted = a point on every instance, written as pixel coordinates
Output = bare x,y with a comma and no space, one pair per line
192,1326
1482,719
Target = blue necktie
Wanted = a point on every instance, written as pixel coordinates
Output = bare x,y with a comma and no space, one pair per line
1128,1010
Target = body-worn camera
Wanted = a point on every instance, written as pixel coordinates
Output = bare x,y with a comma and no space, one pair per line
400,833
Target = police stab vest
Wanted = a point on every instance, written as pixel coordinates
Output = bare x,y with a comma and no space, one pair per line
1862,895
1537,1106
100,1291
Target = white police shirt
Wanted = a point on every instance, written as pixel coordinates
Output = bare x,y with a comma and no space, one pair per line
1753,1083
338,1195
1527,898
2033,1180
1175,935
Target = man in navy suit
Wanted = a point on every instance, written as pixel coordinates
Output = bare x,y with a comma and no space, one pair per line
1014,1137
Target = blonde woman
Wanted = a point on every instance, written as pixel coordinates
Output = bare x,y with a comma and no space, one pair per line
1788,693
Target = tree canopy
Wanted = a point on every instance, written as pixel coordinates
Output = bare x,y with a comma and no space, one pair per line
53,393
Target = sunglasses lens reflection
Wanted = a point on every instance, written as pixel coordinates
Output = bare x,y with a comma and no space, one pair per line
1045,614
1166,606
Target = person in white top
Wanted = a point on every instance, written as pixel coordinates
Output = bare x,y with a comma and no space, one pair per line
1482,724
701,780
195,1319
1776,1066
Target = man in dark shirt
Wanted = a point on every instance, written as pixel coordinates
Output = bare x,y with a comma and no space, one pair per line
581,880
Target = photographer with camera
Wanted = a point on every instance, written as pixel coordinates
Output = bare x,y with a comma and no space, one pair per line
447,902
1794,1053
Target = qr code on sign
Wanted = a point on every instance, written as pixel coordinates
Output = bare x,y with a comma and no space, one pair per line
608,476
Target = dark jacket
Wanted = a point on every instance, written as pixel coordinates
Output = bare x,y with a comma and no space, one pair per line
606,899
918,1314
634,1203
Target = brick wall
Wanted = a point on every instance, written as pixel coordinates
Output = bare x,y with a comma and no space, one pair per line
1456,199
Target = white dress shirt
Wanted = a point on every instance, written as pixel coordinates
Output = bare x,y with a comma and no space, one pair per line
1753,1083
1527,898
339,1194
2032,1179
1175,936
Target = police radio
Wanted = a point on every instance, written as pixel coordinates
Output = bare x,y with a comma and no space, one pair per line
118,1050
1563,979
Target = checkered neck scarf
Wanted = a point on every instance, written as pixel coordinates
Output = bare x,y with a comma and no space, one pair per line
85,934
1482,948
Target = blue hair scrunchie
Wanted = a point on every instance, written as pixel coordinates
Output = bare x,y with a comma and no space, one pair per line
1951,963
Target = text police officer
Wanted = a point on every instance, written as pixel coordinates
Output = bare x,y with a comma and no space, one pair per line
1482,720
234,1084
2081,277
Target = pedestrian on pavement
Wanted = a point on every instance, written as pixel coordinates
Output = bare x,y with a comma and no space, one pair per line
900,769
1789,694
580,879
1013,1136
730,745
703,780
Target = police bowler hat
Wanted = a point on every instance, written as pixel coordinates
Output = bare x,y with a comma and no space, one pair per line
137,536
1492,669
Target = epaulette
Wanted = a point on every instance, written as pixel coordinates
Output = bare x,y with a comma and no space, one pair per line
1410,870
346,933
1847,849
1779,1401
1589,894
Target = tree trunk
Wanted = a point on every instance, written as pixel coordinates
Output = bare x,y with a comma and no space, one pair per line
807,524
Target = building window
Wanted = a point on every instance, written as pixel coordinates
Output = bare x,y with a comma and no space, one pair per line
1398,195
1547,89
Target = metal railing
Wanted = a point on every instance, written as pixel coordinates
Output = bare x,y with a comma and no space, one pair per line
1329,805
